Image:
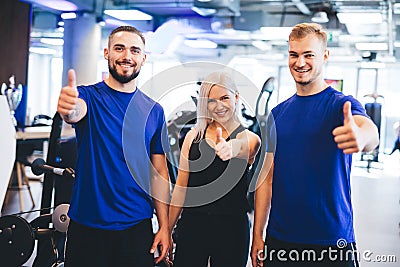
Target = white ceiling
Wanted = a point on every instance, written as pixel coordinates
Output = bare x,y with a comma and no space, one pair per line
237,22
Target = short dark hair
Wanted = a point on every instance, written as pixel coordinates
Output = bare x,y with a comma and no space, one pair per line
302,30
126,29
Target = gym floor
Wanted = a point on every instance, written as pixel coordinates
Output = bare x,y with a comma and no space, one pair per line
376,202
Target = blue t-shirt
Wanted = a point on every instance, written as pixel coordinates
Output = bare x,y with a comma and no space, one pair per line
115,140
311,196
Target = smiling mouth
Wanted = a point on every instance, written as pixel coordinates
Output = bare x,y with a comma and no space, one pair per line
221,113
302,70
125,65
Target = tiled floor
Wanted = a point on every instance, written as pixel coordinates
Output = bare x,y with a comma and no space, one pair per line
376,201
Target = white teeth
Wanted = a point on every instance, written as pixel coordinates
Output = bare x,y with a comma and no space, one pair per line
301,70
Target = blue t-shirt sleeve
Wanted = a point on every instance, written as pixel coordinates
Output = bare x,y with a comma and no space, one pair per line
160,143
82,93
356,106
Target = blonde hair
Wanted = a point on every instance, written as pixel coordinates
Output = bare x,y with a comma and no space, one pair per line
203,117
302,30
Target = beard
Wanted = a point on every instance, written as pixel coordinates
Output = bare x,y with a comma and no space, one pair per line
304,82
311,79
120,77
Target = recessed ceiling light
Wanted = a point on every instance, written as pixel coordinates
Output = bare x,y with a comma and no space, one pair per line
372,46
263,46
204,11
42,50
61,5
52,41
360,18
276,33
200,43
68,15
128,14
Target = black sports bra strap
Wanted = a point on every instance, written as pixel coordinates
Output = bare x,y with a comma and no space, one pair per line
239,129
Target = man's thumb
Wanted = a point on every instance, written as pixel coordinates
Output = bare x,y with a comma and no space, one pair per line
71,78
348,116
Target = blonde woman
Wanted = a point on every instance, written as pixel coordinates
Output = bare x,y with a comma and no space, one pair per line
210,194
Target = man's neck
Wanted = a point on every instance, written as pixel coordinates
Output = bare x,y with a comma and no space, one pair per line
311,89
129,87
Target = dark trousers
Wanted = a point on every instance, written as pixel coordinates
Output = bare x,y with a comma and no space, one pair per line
224,239
285,254
88,246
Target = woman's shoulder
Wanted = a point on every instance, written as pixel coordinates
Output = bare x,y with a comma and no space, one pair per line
248,134
190,135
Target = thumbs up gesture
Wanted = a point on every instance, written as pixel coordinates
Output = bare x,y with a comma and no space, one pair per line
222,148
346,136
69,96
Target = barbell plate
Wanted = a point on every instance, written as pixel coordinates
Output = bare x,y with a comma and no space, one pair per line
17,240
60,218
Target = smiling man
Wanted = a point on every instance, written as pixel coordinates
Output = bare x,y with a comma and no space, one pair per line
304,186
111,204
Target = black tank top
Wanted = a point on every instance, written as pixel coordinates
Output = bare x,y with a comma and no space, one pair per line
216,186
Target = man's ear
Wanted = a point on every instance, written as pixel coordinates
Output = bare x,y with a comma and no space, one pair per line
327,53
144,59
105,53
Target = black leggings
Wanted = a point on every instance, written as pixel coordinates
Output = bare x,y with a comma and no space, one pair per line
88,246
222,239
285,254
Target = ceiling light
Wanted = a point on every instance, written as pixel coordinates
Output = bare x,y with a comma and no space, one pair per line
372,46
200,43
263,46
360,18
61,5
128,14
396,8
204,11
276,33
42,50
320,17
115,22
68,15
52,41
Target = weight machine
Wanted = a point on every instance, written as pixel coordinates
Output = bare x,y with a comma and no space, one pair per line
18,236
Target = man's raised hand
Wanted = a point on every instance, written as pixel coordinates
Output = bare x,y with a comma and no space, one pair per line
68,96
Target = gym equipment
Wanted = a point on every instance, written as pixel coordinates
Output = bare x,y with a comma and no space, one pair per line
259,127
17,235
39,167
60,218
373,110
17,240
178,127
56,191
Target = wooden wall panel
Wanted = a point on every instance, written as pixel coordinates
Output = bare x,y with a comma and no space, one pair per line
15,27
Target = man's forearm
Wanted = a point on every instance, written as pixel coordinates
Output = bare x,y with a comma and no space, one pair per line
77,113
162,213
